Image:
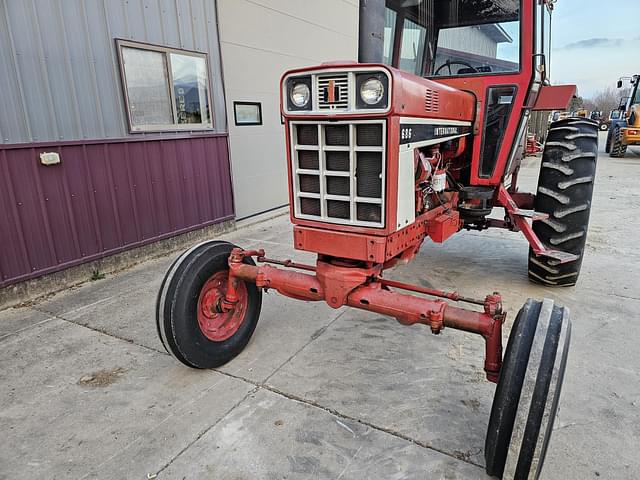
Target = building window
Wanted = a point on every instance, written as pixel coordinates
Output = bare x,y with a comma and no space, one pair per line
247,113
165,88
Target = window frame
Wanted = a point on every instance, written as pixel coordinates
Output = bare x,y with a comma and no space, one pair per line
430,66
167,51
245,124
485,74
420,60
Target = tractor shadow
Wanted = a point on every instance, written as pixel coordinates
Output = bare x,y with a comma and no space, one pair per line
470,262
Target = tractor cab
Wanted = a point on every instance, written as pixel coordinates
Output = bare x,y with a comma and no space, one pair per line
495,50
615,114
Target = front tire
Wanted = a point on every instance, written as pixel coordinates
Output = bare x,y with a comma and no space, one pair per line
565,190
617,149
191,325
526,399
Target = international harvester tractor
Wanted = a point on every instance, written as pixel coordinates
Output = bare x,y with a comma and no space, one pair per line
420,139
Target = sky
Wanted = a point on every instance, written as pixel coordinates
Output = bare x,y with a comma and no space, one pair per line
594,42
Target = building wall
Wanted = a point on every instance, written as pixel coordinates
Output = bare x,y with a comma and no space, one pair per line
260,40
61,92
59,68
468,40
109,196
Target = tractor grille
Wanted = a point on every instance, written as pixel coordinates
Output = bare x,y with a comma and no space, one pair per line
339,171
333,91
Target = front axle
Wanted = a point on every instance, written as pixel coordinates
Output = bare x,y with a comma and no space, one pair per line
364,288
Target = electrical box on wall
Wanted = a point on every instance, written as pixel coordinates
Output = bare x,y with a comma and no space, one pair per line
49,158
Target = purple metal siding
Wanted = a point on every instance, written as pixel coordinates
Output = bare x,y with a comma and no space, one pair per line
105,197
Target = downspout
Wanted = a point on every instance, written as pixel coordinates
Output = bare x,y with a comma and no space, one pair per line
371,31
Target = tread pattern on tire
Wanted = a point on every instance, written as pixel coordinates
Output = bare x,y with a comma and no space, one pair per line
565,190
162,293
508,390
528,392
176,306
538,401
617,149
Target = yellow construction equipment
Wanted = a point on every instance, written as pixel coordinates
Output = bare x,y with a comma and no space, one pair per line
626,130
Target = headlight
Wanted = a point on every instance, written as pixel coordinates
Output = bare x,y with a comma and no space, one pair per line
300,94
372,91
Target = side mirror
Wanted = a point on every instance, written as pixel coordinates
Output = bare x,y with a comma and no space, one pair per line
619,83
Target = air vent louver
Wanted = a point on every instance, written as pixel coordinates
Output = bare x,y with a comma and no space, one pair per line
431,100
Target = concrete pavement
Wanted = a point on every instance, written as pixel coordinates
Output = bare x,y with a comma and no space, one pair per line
88,391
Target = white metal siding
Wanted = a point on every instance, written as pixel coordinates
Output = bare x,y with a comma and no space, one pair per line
59,73
260,40
470,40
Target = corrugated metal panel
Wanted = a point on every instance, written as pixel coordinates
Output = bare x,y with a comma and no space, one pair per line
59,71
105,197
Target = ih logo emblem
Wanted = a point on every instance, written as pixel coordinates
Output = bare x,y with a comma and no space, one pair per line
332,92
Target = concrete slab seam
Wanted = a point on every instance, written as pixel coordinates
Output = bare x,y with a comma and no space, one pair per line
336,413
98,330
206,430
388,431
276,391
317,334
4,337
197,397
289,396
269,242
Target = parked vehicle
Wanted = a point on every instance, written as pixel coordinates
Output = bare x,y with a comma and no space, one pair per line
380,159
625,130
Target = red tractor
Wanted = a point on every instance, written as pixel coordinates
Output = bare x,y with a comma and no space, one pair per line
421,138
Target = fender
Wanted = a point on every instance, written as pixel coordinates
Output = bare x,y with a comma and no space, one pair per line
554,97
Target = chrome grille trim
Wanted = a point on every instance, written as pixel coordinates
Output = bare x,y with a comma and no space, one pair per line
333,203
319,106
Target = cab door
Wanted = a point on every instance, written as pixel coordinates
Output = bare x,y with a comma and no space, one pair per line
488,53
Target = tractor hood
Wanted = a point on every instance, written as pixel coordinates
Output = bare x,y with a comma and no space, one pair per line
336,89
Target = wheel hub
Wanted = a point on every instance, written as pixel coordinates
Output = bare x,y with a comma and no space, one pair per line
215,323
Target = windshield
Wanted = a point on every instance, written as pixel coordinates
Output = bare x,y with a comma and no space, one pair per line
453,37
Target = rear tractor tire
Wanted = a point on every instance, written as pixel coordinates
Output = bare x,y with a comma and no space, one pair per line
190,322
526,399
617,149
565,189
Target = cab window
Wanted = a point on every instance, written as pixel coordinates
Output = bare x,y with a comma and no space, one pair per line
412,49
478,49
455,37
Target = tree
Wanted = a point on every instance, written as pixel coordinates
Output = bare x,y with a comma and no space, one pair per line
577,103
608,99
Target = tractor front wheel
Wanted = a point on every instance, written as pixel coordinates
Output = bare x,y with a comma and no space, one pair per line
565,189
192,323
617,148
526,399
